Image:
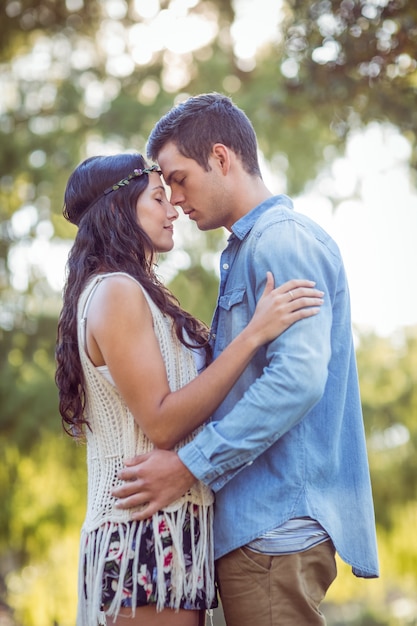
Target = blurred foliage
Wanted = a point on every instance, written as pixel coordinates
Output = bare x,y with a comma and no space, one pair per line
27,367
79,78
390,418
193,288
44,493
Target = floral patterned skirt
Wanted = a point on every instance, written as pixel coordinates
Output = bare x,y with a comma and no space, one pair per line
142,570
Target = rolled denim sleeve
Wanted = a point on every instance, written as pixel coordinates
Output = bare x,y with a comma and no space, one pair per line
288,377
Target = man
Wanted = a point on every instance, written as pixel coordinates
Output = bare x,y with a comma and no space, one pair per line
285,452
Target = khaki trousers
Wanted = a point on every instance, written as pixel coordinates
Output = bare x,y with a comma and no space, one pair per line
285,590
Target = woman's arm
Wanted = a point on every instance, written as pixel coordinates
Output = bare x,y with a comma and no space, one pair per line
120,334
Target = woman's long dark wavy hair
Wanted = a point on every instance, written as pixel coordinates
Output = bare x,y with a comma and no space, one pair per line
109,239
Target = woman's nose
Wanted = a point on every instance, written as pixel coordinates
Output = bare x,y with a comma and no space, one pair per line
172,212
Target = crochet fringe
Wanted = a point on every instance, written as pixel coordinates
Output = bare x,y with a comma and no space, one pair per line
92,553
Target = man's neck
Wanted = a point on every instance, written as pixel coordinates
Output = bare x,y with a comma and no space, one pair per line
251,195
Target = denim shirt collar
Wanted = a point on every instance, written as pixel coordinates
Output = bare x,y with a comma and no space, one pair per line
242,227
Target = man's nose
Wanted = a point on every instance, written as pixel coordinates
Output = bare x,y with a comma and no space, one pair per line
177,197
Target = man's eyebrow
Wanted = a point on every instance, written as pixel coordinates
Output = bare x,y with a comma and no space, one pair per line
170,176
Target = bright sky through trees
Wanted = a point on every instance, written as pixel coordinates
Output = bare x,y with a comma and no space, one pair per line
376,230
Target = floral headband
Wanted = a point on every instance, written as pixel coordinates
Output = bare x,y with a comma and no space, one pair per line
129,177
125,181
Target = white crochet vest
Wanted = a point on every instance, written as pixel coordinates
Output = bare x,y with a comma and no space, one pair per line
114,437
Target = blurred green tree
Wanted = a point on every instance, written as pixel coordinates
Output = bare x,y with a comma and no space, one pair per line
389,399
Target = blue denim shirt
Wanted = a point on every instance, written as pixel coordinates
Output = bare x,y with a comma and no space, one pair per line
288,441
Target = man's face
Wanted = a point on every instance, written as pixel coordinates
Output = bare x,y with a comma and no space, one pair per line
201,195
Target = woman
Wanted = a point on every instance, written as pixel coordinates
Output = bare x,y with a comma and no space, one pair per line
127,364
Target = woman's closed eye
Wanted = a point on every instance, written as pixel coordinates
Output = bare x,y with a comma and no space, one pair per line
161,198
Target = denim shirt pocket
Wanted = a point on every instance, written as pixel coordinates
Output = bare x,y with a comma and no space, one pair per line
232,316
228,300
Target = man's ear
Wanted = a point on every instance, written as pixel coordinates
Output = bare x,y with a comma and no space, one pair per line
221,154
